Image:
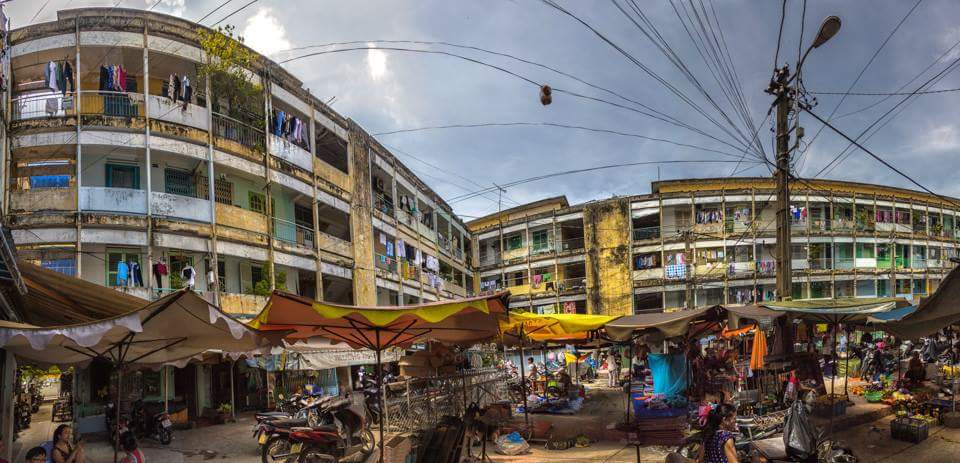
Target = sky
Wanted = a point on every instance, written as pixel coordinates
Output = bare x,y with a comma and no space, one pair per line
391,90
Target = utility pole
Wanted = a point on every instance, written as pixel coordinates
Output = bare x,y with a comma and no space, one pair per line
780,87
688,269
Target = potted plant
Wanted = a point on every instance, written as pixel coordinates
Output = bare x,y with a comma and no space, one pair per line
225,413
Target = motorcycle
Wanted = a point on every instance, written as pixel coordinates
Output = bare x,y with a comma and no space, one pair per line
158,426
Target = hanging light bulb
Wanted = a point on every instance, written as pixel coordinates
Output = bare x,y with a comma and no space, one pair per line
545,95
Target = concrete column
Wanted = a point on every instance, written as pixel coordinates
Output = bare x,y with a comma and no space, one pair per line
79,174
8,402
148,163
267,106
318,278
212,195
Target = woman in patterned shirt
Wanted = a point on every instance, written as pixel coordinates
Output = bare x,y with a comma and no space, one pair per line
718,439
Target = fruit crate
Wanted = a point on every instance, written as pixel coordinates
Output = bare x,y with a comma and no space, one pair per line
909,430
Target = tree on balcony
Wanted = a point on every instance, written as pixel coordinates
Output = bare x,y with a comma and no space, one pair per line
228,60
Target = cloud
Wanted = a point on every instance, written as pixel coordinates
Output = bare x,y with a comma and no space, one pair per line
376,62
943,138
264,33
173,7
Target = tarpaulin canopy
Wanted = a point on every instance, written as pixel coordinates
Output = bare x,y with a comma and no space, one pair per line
939,310
892,316
177,326
553,327
462,321
671,324
841,310
758,313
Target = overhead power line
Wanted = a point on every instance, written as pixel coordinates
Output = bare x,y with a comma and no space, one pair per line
898,93
234,12
222,4
557,125
875,156
578,171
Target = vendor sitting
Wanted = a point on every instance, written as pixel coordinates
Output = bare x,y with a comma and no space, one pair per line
916,372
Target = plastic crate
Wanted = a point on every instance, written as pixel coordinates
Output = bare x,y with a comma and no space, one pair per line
909,430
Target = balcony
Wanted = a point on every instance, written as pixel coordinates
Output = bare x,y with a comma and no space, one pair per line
105,199
290,152
406,218
648,274
767,267
799,264
543,248
517,253
488,259
181,207
293,233
242,305
233,135
111,104
40,105
741,269
385,263
241,219
165,109
570,245
409,271
43,199
383,204
844,263
820,263
572,285
427,231
646,233
865,262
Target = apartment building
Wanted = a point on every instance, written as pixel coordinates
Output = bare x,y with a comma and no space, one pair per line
699,242
118,174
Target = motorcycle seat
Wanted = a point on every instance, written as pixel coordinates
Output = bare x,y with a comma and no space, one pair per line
289,422
337,404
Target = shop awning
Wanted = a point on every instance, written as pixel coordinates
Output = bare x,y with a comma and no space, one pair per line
752,312
553,327
841,310
670,324
170,329
891,316
939,310
462,321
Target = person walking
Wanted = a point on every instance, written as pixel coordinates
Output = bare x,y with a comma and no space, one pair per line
613,369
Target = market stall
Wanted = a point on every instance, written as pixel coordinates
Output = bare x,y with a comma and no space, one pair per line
461,322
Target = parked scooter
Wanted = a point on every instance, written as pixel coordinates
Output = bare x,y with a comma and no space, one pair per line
157,426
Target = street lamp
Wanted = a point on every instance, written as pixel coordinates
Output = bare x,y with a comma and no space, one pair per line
828,29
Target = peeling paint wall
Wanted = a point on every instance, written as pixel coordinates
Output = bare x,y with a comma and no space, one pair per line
361,226
606,228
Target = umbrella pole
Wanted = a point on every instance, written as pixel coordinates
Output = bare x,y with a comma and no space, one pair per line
630,381
380,396
233,405
833,381
846,368
523,384
166,388
117,416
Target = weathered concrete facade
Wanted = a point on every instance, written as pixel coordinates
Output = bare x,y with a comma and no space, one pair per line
698,242
97,177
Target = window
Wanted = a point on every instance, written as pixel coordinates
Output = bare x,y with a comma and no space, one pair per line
179,182
66,266
123,176
50,181
223,190
539,239
258,202
865,251
883,288
332,149
114,257
514,242
867,288
177,263
221,274
303,215
256,273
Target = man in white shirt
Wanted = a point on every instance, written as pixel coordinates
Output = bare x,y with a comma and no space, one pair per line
613,369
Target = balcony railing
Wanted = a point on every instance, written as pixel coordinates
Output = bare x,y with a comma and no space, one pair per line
844,263
458,253
646,233
291,152
821,263
409,271
492,258
386,263
111,104
570,285
383,204
735,269
106,199
35,105
243,134
767,267
570,244
293,233
184,207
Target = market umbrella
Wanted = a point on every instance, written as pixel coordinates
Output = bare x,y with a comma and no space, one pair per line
461,321
556,328
849,310
671,324
933,313
178,326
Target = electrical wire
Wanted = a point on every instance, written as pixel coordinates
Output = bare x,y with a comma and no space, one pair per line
878,158
577,171
556,125
783,16
222,4
862,71
897,93
234,12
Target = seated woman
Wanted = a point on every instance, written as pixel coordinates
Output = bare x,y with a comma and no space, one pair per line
916,372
